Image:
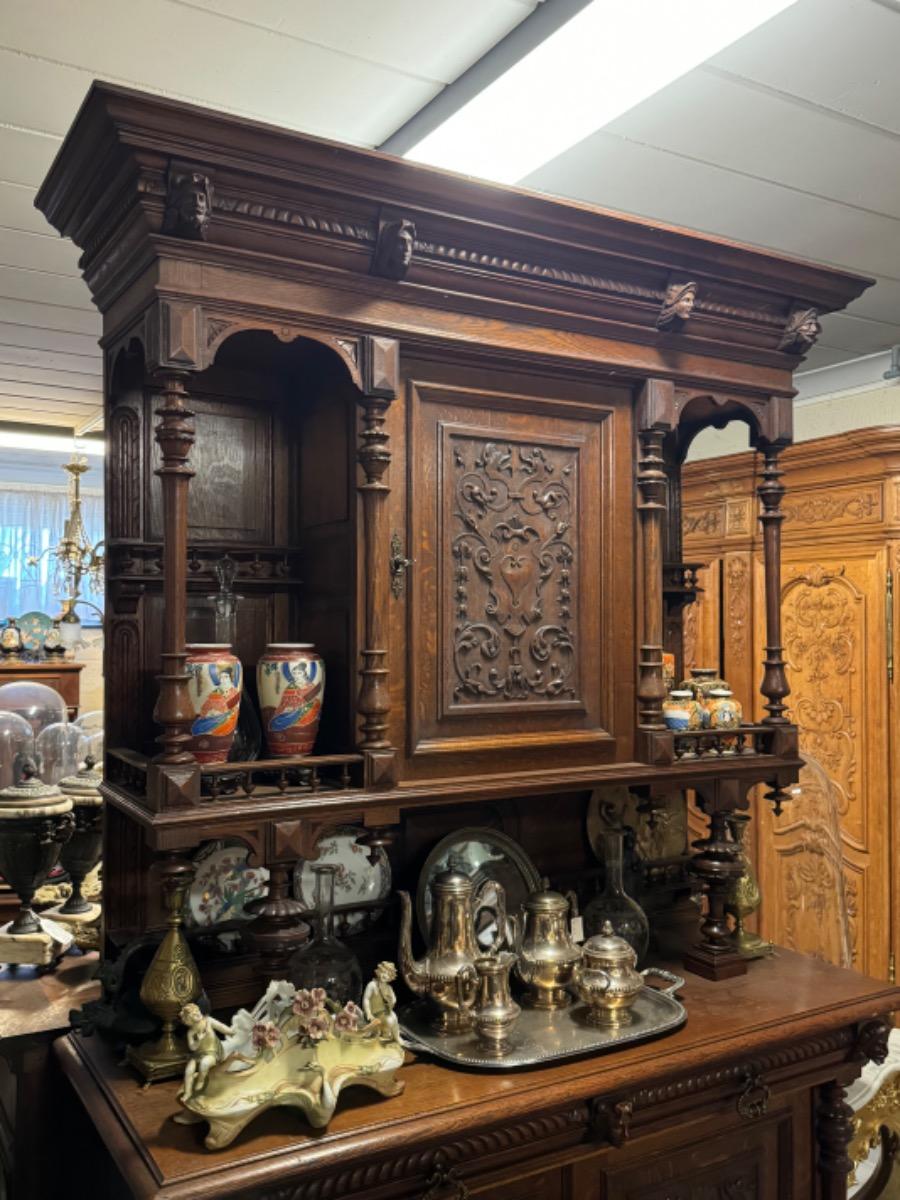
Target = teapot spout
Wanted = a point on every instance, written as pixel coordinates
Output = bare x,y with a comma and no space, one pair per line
414,974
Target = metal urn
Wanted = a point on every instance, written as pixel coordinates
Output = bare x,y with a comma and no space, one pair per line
35,823
81,853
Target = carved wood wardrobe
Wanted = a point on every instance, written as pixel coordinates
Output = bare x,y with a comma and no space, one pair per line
840,564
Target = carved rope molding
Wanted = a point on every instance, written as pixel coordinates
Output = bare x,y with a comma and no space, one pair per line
366,234
423,1164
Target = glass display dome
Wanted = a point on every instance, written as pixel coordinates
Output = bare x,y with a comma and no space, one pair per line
58,751
16,746
38,704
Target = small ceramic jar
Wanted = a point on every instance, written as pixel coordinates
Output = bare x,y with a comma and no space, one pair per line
724,712
11,638
701,681
682,711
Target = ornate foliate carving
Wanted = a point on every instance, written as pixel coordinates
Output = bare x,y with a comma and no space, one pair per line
515,570
801,331
677,306
189,202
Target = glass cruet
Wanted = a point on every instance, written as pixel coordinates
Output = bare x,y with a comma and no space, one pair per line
324,961
613,904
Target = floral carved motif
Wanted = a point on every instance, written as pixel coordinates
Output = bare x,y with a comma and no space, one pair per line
689,634
816,509
707,521
514,569
737,573
821,629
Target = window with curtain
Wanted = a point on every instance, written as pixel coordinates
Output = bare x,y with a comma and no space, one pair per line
32,518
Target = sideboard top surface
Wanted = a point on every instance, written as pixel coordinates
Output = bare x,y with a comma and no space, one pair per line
780,1007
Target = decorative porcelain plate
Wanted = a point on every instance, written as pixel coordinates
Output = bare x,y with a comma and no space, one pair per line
482,854
223,885
34,626
356,878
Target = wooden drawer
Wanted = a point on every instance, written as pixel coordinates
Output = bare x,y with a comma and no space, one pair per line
542,1185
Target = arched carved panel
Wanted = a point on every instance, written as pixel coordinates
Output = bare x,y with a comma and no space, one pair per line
124,503
123,695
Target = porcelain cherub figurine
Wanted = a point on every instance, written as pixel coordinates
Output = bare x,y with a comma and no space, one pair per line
205,1046
379,1002
296,1048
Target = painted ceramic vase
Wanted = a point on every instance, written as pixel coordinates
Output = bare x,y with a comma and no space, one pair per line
681,711
702,680
668,664
11,637
291,682
215,687
724,712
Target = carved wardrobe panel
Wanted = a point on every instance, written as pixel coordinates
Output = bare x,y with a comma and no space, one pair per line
841,535
518,570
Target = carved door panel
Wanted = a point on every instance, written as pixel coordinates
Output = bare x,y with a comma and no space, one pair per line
749,1163
521,598
833,619
541,1185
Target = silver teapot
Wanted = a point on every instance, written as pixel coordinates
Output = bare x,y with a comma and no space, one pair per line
447,975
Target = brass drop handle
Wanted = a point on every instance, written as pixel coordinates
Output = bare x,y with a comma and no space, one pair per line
398,564
443,1184
753,1101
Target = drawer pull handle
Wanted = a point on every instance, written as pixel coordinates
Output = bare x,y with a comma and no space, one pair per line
444,1185
753,1101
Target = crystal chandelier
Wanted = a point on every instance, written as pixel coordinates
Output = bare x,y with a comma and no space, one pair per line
77,563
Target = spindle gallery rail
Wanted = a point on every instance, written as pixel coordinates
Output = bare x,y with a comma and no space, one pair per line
303,775
723,743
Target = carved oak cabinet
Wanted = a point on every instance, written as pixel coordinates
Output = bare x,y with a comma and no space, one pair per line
438,425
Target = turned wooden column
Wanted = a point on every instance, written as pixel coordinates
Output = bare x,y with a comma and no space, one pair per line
717,866
770,491
175,436
834,1132
651,482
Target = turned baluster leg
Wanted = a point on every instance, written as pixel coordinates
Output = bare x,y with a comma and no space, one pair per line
374,456
651,482
770,491
717,865
834,1132
278,929
175,435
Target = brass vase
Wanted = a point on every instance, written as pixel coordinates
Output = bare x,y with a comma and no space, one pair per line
744,896
172,980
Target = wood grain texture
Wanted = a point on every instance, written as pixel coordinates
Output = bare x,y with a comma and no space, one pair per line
839,537
790,1022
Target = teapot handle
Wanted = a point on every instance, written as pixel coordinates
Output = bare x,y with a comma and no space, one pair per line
498,907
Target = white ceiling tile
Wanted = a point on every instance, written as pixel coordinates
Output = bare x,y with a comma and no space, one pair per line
844,331
39,252
49,316
437,40
45,288
37,337
17,211
63,46
838,53
25,157
722,121
86,369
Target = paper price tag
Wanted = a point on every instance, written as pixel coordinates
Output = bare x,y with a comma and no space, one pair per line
577,929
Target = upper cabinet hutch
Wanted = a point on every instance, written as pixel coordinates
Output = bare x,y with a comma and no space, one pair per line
439,425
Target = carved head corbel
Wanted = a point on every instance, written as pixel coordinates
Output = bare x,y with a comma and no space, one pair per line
677,306
801,331
188,203
394,247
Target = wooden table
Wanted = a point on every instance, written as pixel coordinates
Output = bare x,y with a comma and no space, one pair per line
64,677
784,1037
34,1011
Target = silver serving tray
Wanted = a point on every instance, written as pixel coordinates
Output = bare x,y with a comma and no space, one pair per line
545,1037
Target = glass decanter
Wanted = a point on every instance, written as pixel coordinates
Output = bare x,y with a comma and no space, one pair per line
613,904
324,961
248,735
